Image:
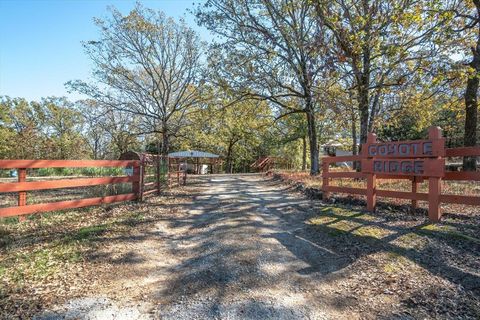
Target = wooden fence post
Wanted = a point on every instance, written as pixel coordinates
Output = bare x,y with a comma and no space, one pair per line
325,167
414,190
22,195
434,183
371,192
371,178
137,183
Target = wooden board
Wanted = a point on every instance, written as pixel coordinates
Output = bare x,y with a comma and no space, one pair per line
61,205
405,167
64,183
465,151
345,190
458,199
402,195
405,149
15,164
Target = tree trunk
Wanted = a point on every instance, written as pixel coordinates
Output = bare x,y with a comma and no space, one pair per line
471,104
354,139
228,160
312,138
363,90
304,154
363,106
95,149
165,143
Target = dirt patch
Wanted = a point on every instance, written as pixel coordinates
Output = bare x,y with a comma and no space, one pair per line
236,247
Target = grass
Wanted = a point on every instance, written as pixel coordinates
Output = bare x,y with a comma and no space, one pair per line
31,266
411,240
373,232
54,255
446,231
5,237
337,220
90,232
344,220
395,263
47,245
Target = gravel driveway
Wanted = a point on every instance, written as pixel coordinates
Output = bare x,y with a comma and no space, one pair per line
242,247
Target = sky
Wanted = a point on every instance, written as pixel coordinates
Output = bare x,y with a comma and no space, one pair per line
40,41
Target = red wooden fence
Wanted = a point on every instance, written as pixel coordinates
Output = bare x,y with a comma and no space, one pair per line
22,186
158,163
432,162
176,174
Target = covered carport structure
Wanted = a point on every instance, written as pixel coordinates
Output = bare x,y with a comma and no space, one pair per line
194,160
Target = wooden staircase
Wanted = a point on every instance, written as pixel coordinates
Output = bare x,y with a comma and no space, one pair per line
263,164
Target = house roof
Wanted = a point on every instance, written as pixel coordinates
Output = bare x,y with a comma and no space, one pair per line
192,154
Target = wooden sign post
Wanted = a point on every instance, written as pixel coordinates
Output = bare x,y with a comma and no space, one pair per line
371,178
416,159
435,182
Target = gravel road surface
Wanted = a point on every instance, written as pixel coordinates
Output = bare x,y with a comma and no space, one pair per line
242,247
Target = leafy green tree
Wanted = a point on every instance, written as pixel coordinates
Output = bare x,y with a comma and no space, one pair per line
464,36
381,46
233,129
269,50
49,129
291,131
7,134
23,122
62,127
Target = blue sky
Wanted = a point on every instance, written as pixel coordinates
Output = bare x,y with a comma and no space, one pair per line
40,45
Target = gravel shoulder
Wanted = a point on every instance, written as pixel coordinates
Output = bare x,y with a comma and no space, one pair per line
249,247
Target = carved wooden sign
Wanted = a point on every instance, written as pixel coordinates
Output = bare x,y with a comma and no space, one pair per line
411,158
409,167
405,149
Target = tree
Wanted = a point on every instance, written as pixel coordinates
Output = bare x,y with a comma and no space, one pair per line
230,128
23,119
7,134
109,133
49,129
471,92
147,65
290,130
269,51
382,46
94,131
467,15
62,125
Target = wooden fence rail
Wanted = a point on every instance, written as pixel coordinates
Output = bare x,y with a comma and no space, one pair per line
22,186
137,177
436,175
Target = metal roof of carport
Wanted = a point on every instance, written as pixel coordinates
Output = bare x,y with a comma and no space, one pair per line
192,154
